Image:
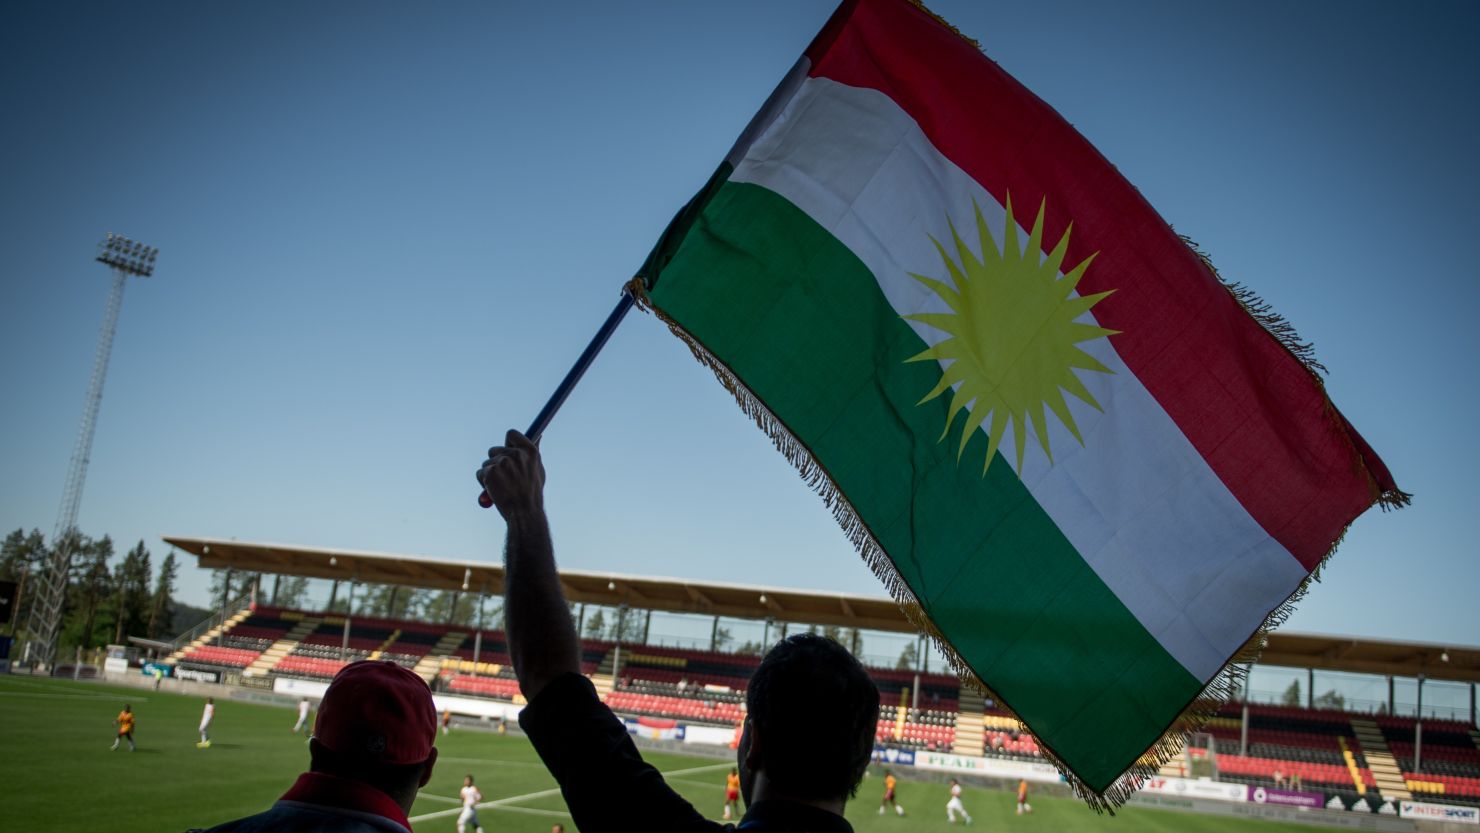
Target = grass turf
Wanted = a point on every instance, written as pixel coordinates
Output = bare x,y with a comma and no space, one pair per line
58,774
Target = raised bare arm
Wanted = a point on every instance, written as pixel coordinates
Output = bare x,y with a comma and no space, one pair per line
542,639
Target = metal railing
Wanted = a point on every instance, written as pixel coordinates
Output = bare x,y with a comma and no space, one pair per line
212,621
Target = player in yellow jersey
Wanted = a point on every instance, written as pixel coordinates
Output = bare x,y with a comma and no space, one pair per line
125,721
1022,803
889,783
732,792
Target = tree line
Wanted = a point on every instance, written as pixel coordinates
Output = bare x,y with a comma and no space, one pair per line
382,601
108,598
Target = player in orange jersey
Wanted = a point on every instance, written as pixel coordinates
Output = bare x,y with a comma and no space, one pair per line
732,792
1023,805
889,783
125,721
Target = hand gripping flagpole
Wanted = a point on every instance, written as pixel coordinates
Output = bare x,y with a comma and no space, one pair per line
547,413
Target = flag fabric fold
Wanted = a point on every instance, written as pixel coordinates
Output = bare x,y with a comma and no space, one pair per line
1090,470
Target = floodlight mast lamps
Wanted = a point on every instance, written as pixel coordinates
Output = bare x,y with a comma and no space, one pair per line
124,257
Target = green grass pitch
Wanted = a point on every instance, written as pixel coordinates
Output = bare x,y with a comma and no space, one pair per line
57,773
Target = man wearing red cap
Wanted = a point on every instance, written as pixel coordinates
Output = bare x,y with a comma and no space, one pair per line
371,751
811,708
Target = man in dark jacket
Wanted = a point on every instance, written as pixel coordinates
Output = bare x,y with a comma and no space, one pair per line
811,717
371,751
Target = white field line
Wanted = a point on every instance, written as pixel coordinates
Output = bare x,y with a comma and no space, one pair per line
499,803
534,811
488,761
44,696
705,784
503,803
59,687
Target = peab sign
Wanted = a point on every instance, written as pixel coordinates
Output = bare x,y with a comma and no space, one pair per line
987,767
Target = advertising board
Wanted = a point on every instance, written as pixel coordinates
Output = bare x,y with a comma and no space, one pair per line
1198,788
711,735
987,767
476,707
313,689
896,757
7,601
198,675
1289,798
1439,812
644,727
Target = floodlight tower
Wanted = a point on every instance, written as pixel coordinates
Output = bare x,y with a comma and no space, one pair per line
125,257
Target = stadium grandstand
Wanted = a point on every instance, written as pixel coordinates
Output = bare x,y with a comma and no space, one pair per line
1352,756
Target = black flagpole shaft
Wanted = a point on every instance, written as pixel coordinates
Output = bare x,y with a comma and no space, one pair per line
568,384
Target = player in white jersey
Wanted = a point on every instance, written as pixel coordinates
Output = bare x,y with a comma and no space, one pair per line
205,723
955,806
469,815
302,716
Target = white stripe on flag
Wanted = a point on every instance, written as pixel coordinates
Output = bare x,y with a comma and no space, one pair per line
1137,501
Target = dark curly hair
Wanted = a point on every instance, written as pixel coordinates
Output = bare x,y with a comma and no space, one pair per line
816,711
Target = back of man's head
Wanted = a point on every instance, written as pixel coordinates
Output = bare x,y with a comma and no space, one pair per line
376,724
816,711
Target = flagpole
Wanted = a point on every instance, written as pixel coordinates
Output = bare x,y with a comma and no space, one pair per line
547,413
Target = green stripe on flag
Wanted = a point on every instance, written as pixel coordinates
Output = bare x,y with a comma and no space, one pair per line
798,317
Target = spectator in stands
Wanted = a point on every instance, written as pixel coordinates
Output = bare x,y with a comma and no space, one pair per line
370,752
812,708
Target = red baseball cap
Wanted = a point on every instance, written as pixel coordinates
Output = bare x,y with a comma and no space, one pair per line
379,711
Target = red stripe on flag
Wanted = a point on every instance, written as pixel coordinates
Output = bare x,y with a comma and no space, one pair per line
1249,407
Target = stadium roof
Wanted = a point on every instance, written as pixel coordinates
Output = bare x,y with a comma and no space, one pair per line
1334,653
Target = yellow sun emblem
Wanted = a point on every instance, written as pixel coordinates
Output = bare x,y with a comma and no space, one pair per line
1013,335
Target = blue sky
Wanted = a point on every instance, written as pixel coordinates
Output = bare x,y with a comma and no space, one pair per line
386,231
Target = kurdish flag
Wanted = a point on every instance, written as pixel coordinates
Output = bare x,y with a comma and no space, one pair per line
1089,469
